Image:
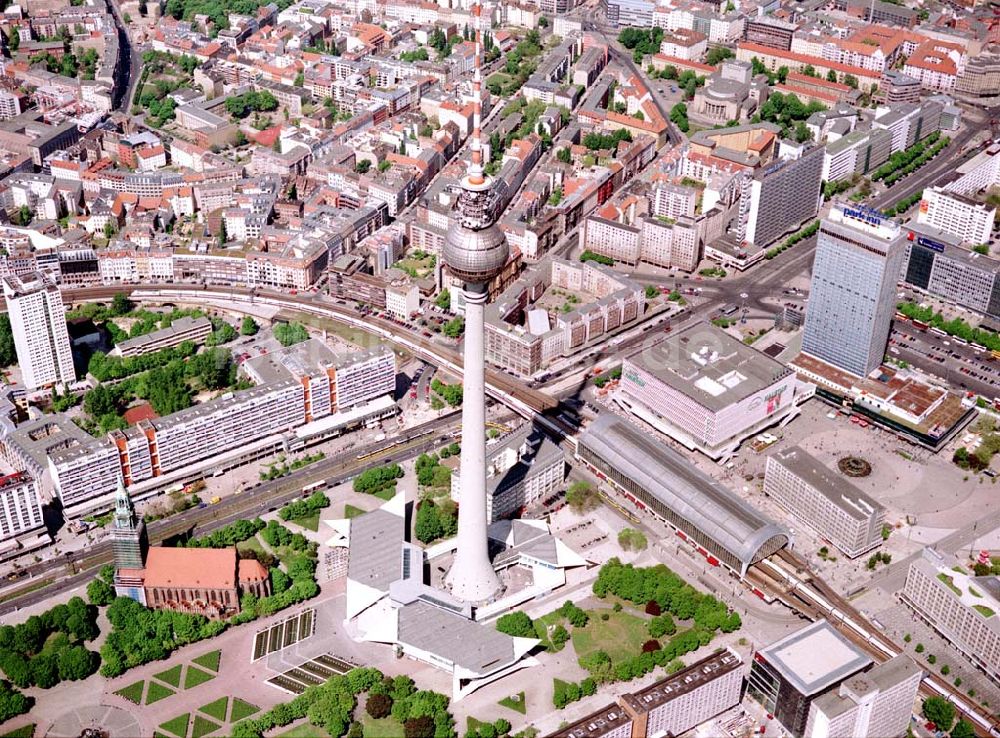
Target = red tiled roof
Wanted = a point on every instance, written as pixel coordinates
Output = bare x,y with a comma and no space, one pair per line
144,411
808,59
209,568
251,570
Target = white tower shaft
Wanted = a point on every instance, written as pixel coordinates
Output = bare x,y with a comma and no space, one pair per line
472,577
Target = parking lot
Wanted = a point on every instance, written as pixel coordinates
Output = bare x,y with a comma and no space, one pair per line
959,364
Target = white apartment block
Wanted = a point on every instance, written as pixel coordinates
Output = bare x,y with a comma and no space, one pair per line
402,300
957,215
962,608
836,509
979,173
684,44
673,201
20,506
654,241
693,696
38,322
871,704
521,468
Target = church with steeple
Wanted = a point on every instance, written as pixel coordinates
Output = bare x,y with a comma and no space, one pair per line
199,581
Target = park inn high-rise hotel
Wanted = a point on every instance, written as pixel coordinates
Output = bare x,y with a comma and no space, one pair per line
852,296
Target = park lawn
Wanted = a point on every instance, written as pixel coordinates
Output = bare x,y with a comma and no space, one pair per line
350,511
621,636
216,709
194,676
387,727
241,709
25,731
133,692
387,494
516,706
309,521
202,727
177,726
209,660
307,730
250,544
171,676
157,692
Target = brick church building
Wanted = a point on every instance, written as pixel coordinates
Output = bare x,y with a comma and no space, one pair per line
199,581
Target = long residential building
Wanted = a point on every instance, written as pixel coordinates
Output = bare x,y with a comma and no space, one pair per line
836,509
961,607
298,386
935,263
774,58
183,329
671,706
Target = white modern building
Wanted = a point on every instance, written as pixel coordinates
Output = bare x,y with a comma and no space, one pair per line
707,390
38,322
873,704
833,507
961,607
956,214
522,467
20,507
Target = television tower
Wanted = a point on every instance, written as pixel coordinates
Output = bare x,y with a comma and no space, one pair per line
475,251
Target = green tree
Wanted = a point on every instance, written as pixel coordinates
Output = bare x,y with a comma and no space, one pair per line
940,712
100,593
427,526
678,114
516,624
831,76
363,166
288,334
851,81
300,80
22,216
718,54
963,729
8,354
582,497
454,327
443,300
249,326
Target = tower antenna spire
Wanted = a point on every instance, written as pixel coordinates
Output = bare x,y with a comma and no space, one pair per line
476,176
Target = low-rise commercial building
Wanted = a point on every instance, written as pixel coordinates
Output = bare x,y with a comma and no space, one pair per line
961,607
837,510
707,390
525,340
184,329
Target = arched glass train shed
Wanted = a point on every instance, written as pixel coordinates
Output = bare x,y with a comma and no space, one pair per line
726,529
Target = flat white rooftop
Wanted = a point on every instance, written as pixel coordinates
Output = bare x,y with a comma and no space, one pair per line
814,658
